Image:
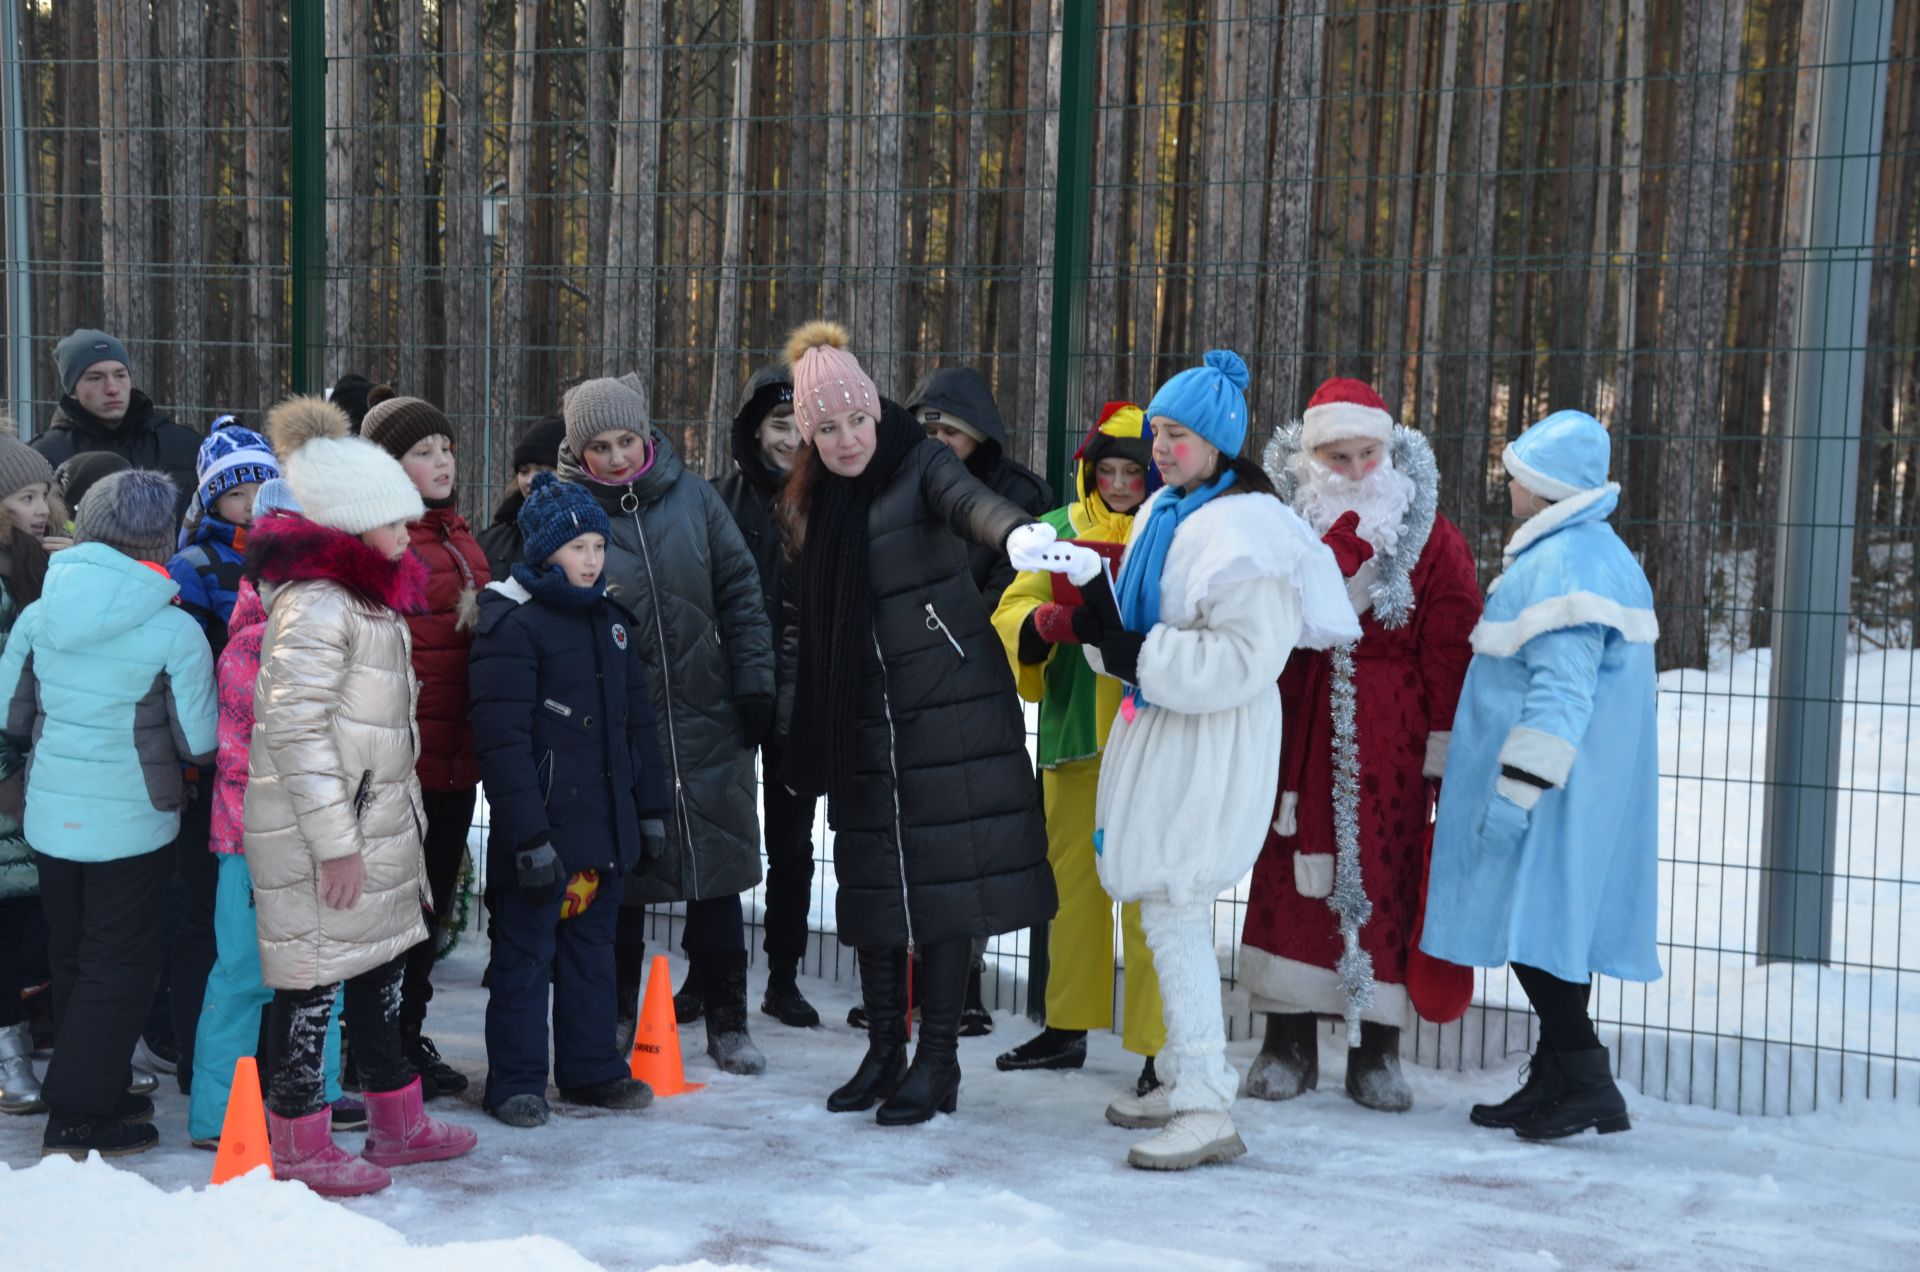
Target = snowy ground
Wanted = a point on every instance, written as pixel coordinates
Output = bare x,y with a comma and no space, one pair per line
755,1173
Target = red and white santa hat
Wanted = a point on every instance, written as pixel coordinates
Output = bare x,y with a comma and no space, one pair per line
1345,410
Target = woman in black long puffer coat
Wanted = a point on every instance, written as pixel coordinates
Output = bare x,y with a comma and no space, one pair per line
901,710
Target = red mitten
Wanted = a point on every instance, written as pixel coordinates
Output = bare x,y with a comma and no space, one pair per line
1349,549
1054,623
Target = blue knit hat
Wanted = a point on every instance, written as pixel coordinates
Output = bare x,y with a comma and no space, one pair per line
1562,455
1210,399
232,456
556,513
274,495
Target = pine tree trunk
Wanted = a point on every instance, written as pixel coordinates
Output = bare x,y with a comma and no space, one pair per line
599,128
259,102
1406,175
126,179
966,239
1633,131
1592,330
888,342
409,70
726,338
510,350
1566,375
349,106
182,49
1098,375
1259,40
833,182
1437,239
1036,224
628,340
1290,264
1354,211
1148,262
77,94
466,264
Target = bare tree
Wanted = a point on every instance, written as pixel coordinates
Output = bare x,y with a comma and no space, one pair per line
410,73
1610,42
1146,210
965,241
182,48
1258,38
1290,265
631,246
1408,117
126,172
349,125
886,342
510,357
1430,286
467,266
726,337
258,100
1108,218
599,141
1633,141
834,253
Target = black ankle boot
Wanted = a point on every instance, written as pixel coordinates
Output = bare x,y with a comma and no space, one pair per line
933,1083
784,1001
883,986
1049,1049
1587,1100
1540,1085
1289,1061
1374,1079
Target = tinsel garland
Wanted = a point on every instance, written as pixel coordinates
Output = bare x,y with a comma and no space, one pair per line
447,933
1349,898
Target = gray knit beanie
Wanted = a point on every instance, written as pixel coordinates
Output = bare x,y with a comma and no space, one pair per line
81,350
593,407
131,512
21,466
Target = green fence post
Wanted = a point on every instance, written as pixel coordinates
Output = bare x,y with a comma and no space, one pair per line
307,74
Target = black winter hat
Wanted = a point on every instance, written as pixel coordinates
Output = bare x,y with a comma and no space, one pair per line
350,395
73,479
540,444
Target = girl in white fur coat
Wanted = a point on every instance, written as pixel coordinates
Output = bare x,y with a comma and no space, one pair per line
1219,584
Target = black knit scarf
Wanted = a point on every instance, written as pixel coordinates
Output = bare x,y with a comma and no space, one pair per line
836,615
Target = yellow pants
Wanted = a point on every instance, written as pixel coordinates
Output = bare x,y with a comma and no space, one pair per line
1080,942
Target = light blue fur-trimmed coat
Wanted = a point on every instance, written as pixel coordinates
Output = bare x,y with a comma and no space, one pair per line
1546,850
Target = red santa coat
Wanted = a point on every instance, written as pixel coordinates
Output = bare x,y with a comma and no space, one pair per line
1408,669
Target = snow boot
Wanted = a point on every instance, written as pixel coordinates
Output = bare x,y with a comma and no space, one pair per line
525,1110
399,1132
1539,1087
1289,1061
975,1020
349,1114
1587,1100
1374,1079
1146,1110
437,1077
690,1000
883,986
1149,1080
1193,1138
75,1137
724,988
1049,1049
303,1149
932,1083
784,1001
130,1109
19,1089
614,1093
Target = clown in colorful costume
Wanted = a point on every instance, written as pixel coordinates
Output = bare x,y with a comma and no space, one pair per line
1546,851
1114,474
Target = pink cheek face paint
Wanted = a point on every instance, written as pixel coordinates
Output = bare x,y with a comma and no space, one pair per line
1367,468
1180,452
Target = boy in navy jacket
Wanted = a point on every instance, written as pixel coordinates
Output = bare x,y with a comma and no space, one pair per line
570,758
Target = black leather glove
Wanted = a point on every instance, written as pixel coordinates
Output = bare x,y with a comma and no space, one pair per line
1088,627
539,875
653,839
1120,652
756,719
1034,647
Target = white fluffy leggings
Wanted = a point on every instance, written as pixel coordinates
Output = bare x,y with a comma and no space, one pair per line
1194,1063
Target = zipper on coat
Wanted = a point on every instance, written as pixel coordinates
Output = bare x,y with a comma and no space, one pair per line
360,796
666,680
893,769
937,624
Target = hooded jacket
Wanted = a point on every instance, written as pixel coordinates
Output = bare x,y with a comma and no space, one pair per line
749,491
677,562
144,438
208,572
111,685
568,747
964,392
500,541
442,639
331,764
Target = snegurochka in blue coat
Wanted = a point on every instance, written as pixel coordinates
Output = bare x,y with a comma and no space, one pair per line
1546,847
570,757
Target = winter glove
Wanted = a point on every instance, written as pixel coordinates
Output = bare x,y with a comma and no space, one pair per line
341,881
1503,827
1077,563
1034,648
538,873
1120,651
1027,543
1350,551
1054,622
653,839
756,719
1088,627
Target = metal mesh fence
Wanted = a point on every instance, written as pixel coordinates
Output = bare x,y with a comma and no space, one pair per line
1695,218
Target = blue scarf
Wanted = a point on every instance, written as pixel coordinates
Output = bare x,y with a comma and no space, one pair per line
549,584
1138,588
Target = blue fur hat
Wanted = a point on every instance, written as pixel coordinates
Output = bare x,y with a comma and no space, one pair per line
556,513
1210,399
1562,455
232,456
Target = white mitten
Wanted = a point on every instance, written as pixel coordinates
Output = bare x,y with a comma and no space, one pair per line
1077,563
1026,544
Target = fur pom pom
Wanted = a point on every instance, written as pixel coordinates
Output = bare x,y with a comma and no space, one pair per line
299,420
466,610
812,335
378,394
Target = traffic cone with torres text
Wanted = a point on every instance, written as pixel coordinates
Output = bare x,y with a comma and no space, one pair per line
656,1042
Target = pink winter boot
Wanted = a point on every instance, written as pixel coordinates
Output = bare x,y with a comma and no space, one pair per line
303,1149
399,1132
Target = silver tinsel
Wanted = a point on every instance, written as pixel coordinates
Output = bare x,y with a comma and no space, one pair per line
1349,898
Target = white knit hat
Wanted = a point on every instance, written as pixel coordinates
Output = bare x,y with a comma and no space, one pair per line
1343,410
343,482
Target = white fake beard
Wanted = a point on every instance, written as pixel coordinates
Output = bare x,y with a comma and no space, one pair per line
1382,498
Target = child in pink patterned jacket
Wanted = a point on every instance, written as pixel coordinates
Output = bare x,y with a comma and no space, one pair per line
230,1015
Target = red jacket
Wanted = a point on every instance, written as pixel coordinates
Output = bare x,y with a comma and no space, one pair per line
442,637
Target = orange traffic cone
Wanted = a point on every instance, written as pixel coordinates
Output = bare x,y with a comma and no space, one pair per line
243,1136
656,1043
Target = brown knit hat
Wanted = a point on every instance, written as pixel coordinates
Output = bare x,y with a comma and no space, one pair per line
399,424
21,466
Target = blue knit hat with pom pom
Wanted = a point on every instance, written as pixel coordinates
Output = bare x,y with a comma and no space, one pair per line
555,514
1210,399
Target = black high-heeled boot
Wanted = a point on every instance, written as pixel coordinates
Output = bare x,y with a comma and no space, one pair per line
933,1083
883,987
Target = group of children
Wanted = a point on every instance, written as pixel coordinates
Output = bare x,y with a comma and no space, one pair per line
322,664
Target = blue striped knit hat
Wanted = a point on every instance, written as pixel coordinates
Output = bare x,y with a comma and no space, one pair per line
232,456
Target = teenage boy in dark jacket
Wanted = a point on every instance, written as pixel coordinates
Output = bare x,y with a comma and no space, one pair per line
570,757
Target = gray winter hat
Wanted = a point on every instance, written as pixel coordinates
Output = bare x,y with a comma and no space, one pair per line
81,350
131,512
595,406
21,466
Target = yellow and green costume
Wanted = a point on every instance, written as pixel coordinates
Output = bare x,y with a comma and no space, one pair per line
1076,712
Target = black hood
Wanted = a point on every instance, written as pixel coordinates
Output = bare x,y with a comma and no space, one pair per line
964,392
761,394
